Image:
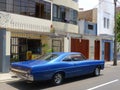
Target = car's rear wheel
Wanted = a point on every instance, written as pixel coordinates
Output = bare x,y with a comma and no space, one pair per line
57,78
97,71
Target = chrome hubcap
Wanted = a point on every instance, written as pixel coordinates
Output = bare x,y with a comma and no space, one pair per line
97,72
58,78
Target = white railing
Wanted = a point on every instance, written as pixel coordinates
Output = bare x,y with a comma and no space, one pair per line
21,22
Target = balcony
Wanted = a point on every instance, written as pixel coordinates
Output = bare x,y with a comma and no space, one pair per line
65,27
23,23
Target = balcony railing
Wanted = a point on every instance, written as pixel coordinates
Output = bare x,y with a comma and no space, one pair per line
21,22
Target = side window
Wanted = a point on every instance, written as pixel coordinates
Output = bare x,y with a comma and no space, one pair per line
74,57
68,58
78,57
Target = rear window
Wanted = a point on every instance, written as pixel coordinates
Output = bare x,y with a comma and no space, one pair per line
48,57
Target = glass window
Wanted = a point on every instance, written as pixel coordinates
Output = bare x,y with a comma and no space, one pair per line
24,3
75,57
78,57
34,46
63,13
48,57
18,48
59,13
9,7
22,41
47,11
71,16
68,59
3,1
90,27
108,22
24,7
14,49
31,8
17,2
31,3
40,10
23,10
104,22
54,11
32,11
2,6
16,7
75,15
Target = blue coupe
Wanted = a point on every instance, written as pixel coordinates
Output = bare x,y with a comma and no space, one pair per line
56,67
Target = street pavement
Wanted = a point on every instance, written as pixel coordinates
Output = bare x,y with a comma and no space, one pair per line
108,80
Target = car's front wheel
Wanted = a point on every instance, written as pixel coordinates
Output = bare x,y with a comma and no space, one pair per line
97,71
57,79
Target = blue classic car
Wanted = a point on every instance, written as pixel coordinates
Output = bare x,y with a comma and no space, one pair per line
56,67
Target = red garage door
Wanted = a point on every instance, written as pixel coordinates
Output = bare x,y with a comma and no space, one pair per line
82,46
97,50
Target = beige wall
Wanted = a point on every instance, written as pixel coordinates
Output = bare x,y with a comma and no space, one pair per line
67,3
85,15
89,15
47,42
94,15
65,27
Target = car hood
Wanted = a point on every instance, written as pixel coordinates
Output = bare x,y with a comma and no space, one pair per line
29,64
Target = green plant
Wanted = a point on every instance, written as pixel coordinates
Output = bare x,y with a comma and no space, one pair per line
46,48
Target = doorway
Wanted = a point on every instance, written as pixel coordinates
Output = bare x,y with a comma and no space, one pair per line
107,51
97,50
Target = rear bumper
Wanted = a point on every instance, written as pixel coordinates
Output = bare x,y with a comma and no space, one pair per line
23,74
25,77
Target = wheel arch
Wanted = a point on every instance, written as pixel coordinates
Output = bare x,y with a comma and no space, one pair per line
61,72
99,66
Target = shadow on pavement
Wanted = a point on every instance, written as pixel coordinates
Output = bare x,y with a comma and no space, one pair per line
24,85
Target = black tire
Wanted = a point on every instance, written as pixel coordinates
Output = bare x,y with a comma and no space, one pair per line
57,79
97,71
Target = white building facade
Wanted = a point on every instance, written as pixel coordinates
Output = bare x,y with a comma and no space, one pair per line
105,17
105,27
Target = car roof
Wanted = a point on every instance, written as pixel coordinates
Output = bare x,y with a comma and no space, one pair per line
60,53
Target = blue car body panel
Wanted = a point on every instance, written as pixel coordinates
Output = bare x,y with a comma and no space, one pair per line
44,70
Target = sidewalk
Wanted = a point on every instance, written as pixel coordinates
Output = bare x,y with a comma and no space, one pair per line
4,77
110,63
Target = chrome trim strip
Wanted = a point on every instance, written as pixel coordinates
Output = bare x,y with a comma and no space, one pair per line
19,71
28,77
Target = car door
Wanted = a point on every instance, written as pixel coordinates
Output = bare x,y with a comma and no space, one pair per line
69,68
81,65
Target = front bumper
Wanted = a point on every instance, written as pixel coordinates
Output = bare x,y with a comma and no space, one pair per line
23,74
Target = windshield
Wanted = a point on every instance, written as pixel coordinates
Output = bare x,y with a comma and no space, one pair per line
48,57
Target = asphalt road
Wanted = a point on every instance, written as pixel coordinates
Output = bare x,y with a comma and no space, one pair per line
108,80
